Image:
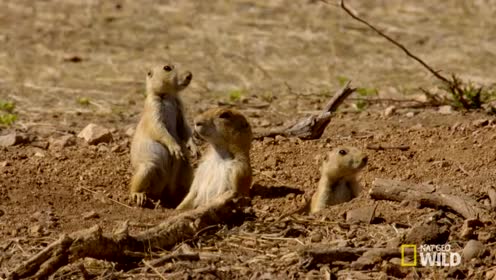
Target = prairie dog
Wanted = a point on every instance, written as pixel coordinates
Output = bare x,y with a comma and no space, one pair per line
338,182
162,134
226,165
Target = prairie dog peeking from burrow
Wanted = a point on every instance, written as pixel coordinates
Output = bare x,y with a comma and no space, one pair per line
338,182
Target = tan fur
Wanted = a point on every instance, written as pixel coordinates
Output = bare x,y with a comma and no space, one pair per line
338,182
161,171
226,165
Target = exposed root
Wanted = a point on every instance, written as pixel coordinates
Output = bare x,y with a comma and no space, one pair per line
121,247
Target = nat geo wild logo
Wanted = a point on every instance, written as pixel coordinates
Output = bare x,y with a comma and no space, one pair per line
429,255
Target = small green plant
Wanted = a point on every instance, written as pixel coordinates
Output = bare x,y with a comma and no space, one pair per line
363,92
467,95
83,101
462,95
267,96
342,80
367,91
7,106
7,115
361,104
8,118
235,95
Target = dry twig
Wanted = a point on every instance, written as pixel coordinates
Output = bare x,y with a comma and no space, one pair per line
454,85
311,127
428,196
381,148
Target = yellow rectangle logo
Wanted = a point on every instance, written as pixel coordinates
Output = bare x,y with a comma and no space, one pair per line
405,246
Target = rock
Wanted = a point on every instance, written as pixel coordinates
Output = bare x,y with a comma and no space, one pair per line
316,237
40,144
268,141
480,122
410,114
430,233
94,134
445,110
265,123
12,139
389,111
491,275
418,126
130,131
36,230
364,263
339,243
280,138
118,148
62,142
396,270
370,259
102,148
36,216
473,249
39,154
468,228
361,215
90,215
4,163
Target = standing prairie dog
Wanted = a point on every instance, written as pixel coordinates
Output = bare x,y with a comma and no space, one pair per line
161,170
226,165
338,182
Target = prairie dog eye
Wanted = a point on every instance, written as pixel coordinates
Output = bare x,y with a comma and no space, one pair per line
168,68
225,115
149,73
343,152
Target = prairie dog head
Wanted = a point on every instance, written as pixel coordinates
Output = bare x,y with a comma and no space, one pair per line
165,79
225,128
344,161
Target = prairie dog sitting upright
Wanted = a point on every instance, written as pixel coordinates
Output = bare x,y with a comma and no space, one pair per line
226,165
161,170
338,182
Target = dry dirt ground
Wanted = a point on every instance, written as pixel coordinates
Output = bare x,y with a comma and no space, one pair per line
68,63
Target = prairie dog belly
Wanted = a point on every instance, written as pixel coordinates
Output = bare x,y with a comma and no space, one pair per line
211,179
169,116
150,152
